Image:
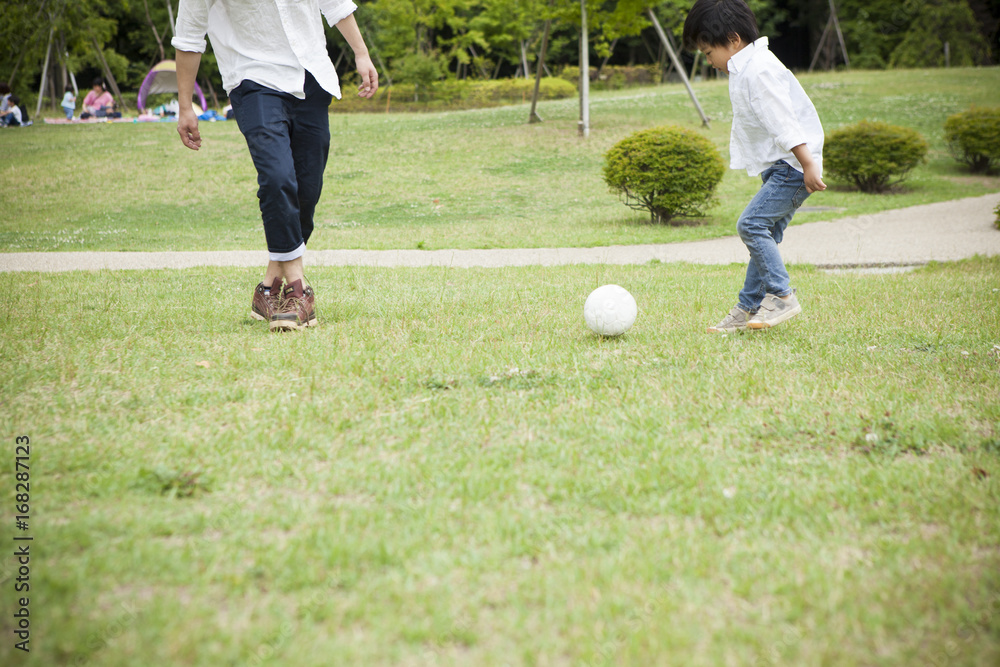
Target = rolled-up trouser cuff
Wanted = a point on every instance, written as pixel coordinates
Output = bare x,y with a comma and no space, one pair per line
287,256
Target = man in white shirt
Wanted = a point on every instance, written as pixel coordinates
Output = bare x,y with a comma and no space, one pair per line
275,67
776,133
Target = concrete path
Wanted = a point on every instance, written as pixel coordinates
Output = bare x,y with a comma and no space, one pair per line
944,231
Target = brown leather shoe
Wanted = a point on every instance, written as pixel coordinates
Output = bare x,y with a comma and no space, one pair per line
296,310
265,300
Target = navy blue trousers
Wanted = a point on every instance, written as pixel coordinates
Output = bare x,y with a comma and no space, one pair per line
289,141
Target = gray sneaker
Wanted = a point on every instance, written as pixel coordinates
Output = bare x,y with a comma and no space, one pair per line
774,310
736,320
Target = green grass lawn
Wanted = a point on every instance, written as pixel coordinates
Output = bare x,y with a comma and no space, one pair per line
470,179
451,470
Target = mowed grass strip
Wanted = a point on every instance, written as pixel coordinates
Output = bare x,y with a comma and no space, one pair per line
469,179
452,469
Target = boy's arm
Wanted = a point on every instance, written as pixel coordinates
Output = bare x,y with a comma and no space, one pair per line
810,170
348,27
187,121
772,106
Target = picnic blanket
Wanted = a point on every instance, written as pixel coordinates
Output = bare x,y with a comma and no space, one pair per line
209,115
87,121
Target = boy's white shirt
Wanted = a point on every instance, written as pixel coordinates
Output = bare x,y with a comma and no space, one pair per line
771,112
271,43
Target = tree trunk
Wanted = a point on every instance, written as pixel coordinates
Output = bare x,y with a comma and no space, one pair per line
108,75
63,66
211,92
611,51
45,72
156,33
584,128
385,70
475,56
533,117
170,15
13,74
677,65
53,95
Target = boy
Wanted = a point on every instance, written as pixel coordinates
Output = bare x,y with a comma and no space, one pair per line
279,77
776,133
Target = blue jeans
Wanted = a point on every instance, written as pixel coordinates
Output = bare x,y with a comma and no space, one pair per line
761,227
289,141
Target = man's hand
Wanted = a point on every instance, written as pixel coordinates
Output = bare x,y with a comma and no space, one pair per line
348,27
187,127
369,77
187,121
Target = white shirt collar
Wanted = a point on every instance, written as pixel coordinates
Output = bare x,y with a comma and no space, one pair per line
743,56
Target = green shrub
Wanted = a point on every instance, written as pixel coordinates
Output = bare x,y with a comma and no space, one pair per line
973,137
997,221
669,171
518,90
872,155
614,77
452,94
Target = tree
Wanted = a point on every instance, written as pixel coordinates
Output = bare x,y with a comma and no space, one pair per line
69,37
943,32
875,29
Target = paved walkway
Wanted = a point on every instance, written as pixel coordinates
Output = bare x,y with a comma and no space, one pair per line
944,231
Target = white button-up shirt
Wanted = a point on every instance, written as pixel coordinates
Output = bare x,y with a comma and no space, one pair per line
270,42
771,112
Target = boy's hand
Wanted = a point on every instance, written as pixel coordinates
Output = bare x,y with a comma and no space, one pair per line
810,172
813,179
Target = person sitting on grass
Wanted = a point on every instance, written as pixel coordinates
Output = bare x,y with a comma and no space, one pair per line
98,101
12,117
777,134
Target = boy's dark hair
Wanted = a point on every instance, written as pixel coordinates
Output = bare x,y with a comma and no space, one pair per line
4,88
97,82
716,22
15,100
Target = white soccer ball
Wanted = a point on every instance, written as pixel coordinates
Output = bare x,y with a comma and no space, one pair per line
610,310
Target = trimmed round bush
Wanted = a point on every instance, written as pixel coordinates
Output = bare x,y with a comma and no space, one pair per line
973,137
873,156
669,171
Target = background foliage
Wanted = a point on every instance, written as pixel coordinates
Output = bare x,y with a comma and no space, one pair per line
419,42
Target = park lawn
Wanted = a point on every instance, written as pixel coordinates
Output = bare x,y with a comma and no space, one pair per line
451,470
467,179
